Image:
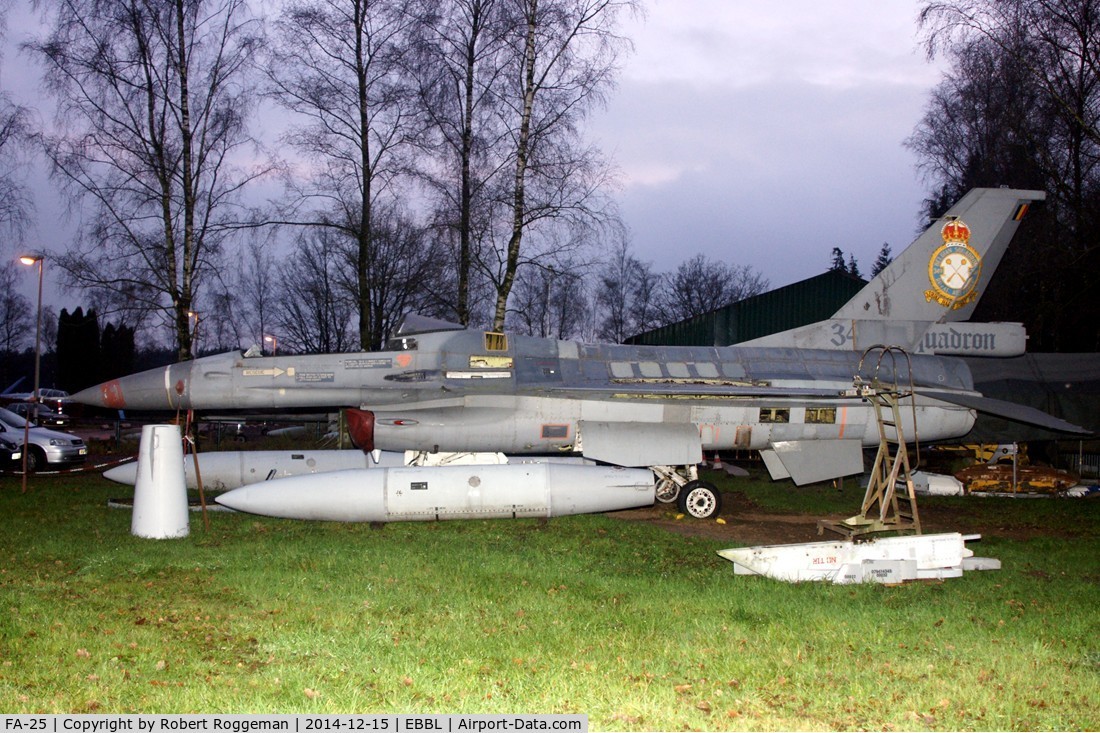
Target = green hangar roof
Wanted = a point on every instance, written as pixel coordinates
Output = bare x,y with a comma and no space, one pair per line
791,306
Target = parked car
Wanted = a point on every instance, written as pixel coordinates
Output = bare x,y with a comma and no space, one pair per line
46,446
11,455
55,399
46,415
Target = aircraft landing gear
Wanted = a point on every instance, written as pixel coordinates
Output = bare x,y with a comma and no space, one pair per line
695,498
670,479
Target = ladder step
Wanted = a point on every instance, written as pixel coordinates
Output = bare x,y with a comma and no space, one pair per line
895,504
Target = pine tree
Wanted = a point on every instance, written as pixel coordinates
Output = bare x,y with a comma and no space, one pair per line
884,259
853,266
78,355
118,351
838,259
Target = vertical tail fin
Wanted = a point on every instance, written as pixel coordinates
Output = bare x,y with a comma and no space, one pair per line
938,279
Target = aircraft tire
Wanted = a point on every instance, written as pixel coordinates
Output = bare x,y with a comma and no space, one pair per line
700,500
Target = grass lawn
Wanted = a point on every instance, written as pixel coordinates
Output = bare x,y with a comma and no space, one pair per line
638,627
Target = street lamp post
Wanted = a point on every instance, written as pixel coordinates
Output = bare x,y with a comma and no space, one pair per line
274,341
29,260
194,334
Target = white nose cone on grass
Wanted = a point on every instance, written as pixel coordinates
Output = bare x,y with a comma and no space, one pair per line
160,496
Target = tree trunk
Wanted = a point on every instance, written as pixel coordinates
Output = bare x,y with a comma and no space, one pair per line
368,337
522,151
190,253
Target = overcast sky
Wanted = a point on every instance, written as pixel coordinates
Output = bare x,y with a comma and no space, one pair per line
757,133
769,133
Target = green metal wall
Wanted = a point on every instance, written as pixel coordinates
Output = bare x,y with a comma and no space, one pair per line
791,306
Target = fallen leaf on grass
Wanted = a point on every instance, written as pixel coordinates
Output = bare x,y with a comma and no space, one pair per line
631,719
922,717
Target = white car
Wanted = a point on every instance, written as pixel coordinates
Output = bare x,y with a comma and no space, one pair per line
46,446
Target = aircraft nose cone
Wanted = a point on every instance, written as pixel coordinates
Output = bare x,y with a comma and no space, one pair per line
109,395
143,391
124,474
236,499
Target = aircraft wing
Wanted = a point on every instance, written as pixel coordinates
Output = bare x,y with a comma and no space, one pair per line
989,405
700,390
1005,409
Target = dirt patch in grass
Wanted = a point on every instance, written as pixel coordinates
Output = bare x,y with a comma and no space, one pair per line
742,522
745,523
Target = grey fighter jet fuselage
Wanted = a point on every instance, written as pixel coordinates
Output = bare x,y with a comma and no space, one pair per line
438,387
464,390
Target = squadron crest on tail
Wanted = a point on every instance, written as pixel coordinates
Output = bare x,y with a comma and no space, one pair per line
954,268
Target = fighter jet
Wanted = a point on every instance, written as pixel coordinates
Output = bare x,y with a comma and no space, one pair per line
439,387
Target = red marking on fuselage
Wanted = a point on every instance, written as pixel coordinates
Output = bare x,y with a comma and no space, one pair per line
361,428
112,395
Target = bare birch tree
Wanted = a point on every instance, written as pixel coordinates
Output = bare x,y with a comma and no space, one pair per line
457,63
15,130
339,65
15,204
153,98
560,64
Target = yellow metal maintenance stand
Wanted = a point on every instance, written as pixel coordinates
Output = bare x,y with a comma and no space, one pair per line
884,508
